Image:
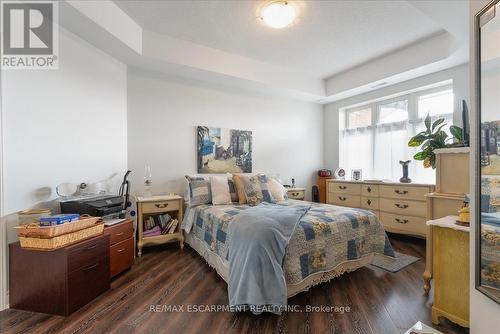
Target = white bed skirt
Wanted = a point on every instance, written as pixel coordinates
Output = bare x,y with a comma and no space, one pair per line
216,262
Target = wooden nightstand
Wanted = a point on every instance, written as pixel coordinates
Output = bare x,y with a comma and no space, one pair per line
155,205
296,193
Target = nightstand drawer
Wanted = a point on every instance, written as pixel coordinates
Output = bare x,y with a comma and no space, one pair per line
370,203
369,190
160,206
404,192
401,223
296,194
345,200
345,188
411,208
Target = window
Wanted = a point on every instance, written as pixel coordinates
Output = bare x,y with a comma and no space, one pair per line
359,118
393,112
374,136
435,103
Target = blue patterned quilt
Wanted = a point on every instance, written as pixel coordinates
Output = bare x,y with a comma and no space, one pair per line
325,237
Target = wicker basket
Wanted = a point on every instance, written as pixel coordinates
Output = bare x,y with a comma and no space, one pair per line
35,231
61,240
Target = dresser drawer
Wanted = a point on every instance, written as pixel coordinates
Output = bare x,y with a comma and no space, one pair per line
121,256
410,208
345,200
160,206
86,253
87,283
345,188
369,190
296,194
370,203
404,192
404,224
119,232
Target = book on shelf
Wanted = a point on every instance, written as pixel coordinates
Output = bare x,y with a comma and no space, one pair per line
174,225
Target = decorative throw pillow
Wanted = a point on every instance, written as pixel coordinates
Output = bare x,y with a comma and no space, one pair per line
199,191
256,190
232,190
278,192
240,188
220,190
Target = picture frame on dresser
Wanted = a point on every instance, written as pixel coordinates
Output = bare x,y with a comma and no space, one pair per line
487,157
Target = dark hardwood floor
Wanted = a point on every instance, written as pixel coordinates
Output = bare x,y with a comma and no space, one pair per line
379,301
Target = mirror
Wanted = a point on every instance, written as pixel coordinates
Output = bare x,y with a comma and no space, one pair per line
488,193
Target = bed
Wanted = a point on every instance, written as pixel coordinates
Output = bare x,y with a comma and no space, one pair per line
328,241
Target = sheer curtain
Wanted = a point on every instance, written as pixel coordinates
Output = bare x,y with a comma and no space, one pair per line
379,145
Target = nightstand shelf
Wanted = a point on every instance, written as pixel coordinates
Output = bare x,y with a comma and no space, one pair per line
157,205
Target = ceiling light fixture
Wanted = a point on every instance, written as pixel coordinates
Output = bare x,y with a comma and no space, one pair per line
278,14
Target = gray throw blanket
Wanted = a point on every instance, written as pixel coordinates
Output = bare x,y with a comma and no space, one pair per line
260,236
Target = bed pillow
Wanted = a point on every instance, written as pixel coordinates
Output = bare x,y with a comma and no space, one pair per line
199,191
220,190
256,189
232,190
240,188
278,192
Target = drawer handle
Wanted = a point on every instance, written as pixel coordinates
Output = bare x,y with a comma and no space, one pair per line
119,234
401,206
369,202
295,194
401,221
90,247
401,192
120,250
161,205
342,198
369,189
342,187
90,267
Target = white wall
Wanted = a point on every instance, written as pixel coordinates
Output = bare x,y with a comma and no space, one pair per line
459,75
162,116
65,125
484,312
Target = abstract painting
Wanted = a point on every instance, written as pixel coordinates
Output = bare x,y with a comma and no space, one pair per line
223,150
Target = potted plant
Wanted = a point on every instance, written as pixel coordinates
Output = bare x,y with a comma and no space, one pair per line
435,137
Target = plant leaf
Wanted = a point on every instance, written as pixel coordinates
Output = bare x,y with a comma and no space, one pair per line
416,141
456,131
420,155
427,122
436,123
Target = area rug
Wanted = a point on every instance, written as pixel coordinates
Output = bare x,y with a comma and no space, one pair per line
393,265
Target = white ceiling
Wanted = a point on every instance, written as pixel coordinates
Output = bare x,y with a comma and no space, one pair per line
329,37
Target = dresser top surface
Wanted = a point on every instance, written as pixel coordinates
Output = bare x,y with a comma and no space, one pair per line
387,183
157,198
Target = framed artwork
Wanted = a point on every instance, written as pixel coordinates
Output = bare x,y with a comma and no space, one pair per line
357,174
223,150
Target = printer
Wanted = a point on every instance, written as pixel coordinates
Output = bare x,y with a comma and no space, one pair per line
97,206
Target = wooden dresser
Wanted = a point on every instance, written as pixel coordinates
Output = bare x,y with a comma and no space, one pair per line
452,183
450,245
59,281
447,248
121,249
401,207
